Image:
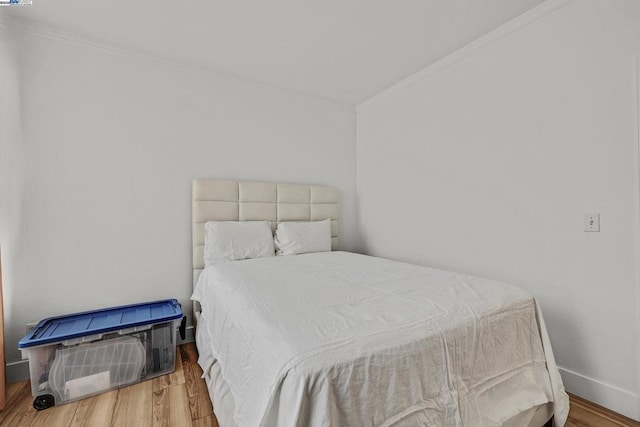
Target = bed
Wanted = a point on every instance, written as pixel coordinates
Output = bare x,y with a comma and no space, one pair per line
337,338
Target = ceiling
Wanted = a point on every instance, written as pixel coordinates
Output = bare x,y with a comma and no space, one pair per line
345,51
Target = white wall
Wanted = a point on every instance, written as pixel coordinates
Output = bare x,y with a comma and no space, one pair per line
486,162
98,213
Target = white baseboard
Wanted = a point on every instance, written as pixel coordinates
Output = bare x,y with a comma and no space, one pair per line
622,401
19,371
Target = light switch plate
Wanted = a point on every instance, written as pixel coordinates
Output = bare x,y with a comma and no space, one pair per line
592,222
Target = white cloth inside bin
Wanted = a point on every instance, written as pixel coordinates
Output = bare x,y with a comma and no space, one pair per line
96,367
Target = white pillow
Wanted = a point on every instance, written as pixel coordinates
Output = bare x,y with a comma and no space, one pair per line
302,237
233,240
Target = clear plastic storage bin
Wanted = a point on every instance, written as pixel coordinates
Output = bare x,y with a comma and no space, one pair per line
80,355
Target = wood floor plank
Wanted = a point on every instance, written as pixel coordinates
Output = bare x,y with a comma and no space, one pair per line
209,421
189,353
13,389
174,378
96,411
587,414
19,406
134,406
171,407
57,416
199,401
160,405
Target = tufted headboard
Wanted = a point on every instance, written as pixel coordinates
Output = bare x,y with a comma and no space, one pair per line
216,200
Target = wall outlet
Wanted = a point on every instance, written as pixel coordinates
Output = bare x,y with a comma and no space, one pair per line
30,326
591,222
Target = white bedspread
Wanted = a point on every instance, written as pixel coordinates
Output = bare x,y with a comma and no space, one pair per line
347,340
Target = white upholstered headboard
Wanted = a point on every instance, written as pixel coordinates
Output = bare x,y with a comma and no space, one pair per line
216,200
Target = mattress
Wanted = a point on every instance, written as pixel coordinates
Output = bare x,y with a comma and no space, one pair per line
345,339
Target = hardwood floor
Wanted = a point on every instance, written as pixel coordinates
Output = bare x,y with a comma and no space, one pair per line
181,399
586,414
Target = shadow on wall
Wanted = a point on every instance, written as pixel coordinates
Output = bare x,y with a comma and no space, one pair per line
11,173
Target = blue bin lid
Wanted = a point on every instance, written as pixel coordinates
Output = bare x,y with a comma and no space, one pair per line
58,329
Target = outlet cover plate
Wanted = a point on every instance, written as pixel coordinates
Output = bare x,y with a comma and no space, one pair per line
592,222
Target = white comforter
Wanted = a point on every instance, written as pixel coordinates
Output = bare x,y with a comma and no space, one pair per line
348,340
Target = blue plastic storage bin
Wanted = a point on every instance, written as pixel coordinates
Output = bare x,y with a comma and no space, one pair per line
79,355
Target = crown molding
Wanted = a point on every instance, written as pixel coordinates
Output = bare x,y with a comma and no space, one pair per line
517,23
36,29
